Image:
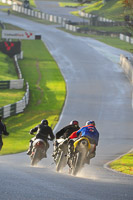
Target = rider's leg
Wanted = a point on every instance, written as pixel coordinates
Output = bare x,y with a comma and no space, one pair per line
91,155
55,148
70,152
1,143
30,146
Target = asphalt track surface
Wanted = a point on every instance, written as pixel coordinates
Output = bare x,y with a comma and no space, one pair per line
97,89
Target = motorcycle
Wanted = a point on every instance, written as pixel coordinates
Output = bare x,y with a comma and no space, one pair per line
61,155
38,151
81,149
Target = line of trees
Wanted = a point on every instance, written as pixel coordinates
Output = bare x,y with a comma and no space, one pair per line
128,11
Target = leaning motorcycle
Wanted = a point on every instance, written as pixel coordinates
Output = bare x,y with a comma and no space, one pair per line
61,155
38,151
81,149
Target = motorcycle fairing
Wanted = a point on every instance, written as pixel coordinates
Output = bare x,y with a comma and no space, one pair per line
82,138
38,140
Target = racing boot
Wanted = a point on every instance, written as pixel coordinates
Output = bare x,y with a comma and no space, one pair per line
29,151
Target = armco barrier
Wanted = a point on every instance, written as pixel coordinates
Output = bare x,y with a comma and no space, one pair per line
40,15
12,84
127,67
126,38
18,107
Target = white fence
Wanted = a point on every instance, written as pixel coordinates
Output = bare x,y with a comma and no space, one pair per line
11,2
126,38
45,16
16,57
101,19
19,106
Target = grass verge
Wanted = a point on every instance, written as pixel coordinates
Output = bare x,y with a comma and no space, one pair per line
112,9
8,72
47,95
112,41
124,164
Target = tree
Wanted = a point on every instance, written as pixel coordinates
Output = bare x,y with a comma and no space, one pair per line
128,11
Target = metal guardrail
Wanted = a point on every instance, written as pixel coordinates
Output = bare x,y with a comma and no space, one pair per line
19,106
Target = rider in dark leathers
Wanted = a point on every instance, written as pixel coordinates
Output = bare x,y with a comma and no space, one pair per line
43,132
2,131
65,133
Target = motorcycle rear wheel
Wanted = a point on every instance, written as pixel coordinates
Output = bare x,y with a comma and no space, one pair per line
36,157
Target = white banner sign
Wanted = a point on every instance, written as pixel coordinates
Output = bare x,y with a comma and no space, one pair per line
12,34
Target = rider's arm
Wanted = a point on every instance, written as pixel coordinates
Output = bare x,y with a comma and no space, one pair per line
51,134
73,135
34,130
97,138
60,133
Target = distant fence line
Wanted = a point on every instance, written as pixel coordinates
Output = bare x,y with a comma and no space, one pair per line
38,14
49,17
68,25
19,106
10,2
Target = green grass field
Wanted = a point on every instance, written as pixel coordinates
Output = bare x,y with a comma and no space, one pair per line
112,10
47,96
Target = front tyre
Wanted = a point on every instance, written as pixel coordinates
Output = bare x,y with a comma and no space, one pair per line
61,161
79,162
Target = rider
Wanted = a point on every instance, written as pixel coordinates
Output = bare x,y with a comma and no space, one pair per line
43,131
90,131
65,133
2,131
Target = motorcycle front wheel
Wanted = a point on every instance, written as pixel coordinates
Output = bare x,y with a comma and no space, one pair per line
79,162
61,161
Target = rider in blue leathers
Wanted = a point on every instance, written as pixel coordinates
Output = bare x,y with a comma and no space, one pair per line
90,131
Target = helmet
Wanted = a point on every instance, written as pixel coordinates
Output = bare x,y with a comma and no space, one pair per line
74,122
44,122
90,122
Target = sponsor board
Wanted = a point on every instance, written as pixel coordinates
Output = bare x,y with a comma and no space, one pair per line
16,34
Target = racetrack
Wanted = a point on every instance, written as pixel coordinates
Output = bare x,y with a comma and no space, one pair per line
97,89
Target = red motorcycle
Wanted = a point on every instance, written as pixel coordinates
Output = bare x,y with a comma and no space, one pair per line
38,151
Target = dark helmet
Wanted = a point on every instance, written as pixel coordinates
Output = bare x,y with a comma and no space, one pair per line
44,122
91,122
74,122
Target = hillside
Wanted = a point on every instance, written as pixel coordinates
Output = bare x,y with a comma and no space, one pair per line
112,10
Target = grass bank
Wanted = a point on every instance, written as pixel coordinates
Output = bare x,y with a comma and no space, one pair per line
112,41
124,164
47,96
8,72
111,10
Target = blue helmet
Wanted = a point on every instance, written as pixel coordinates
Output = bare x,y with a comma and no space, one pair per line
90,122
